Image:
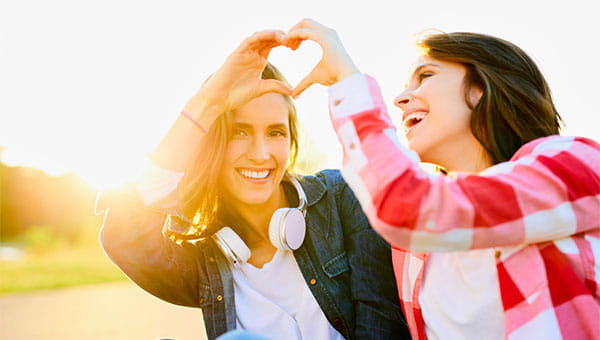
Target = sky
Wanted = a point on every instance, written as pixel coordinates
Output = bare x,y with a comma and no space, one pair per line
91,86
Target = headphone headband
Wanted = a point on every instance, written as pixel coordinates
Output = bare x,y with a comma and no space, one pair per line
302,201
287,229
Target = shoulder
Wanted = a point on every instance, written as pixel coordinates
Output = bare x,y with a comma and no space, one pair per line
574,161
324,182
330,179
581,147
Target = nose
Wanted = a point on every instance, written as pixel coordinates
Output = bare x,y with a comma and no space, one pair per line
259,150
402,99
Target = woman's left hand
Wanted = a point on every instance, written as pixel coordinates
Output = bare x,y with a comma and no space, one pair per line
335,64
238,80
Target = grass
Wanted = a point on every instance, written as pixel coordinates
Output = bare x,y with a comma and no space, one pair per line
56,269
57,264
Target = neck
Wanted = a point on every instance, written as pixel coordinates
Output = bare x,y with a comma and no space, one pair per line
470,162
463,157
258,217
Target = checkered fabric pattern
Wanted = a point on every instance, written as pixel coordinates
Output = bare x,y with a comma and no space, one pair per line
540,211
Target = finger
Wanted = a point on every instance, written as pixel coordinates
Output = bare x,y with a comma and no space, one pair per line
300,24
273,85
294,38
305,23
293,45
303,85
263,39
266,41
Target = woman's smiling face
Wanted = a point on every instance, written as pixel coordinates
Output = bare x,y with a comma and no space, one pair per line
436,116
258,152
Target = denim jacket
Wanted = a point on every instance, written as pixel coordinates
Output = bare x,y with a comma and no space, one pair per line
346,265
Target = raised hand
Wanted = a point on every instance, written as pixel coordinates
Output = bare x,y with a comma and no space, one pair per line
335,64
238,80
234,84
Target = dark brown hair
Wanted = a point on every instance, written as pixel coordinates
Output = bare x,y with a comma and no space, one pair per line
516,106
199,190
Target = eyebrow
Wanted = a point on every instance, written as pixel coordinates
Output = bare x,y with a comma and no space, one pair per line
250,126
420,67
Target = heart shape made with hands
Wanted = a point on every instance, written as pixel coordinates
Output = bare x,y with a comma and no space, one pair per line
293,68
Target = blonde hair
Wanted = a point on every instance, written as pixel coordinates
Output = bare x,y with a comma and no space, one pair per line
199,190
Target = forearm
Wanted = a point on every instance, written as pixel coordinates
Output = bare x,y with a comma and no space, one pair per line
183,139
521,201
132,238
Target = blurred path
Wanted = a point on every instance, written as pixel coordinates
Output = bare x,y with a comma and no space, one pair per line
109,311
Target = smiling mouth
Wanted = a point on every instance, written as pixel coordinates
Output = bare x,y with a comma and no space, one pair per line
413,119
254,174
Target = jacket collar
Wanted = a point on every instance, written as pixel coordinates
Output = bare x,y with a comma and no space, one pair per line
313,188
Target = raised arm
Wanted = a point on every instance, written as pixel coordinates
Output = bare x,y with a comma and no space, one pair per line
132,237
234,84
549,190
136,215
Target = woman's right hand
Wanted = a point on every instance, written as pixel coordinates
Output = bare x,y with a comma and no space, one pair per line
238,80
335,63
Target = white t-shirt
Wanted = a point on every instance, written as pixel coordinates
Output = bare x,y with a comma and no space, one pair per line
275,301
460,297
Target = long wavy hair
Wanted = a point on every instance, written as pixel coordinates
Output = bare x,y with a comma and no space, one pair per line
199,191
516,106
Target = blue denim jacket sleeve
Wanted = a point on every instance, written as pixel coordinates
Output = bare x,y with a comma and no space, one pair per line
357,263
353,264
132,237
374,290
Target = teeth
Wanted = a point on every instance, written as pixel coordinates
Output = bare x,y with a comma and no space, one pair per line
254,174
413,118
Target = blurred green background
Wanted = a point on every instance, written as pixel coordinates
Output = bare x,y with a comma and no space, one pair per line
49,233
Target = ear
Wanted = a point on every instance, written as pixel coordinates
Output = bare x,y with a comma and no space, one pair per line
474,95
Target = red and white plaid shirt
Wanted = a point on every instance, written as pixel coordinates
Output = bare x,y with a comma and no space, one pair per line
540,211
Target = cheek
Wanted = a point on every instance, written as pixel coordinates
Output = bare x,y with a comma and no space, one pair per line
449,105
282,151
234,150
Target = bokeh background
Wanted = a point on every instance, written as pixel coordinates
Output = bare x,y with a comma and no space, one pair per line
87,88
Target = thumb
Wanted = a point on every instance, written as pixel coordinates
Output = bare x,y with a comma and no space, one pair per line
273,85
303,85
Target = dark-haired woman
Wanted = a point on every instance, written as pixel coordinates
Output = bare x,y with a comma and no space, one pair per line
507,245
219,221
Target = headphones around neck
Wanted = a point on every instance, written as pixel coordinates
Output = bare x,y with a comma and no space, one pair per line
287,229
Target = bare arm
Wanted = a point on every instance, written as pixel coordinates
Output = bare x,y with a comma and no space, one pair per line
235,83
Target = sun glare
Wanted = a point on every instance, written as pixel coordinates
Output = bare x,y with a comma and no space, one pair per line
99,173
104,178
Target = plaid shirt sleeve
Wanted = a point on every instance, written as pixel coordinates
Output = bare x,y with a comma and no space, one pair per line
549,190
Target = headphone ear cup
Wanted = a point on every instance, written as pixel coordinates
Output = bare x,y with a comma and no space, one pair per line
287,228
232,245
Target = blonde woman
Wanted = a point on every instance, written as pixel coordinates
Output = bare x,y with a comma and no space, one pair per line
219,221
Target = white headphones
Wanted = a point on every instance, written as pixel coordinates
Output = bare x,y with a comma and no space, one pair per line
287,229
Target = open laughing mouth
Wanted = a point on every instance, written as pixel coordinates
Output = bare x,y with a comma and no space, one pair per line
254,174
412,119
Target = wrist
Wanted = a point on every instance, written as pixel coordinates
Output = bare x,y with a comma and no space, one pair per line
348,70
202,112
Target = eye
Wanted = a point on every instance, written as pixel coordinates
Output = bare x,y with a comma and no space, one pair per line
424,75
239,132
278,133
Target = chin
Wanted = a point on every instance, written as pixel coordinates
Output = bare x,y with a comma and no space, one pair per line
414,146
255,198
